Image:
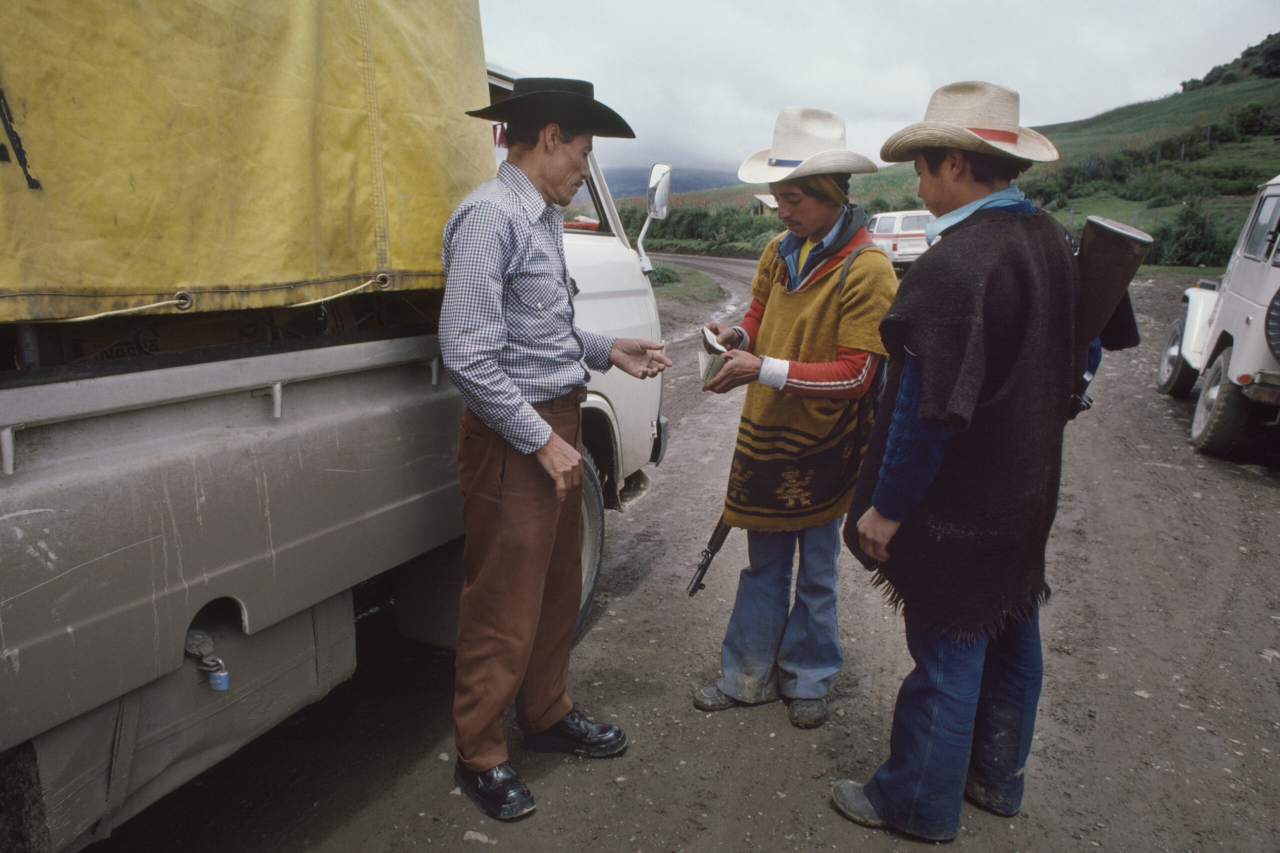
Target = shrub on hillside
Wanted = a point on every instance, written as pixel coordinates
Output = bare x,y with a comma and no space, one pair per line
878,204
1088,188
1190,240
745,229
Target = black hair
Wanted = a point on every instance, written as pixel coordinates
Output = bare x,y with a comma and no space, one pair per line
984,167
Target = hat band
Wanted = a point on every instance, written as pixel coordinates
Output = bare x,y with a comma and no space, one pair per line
791,163
994,135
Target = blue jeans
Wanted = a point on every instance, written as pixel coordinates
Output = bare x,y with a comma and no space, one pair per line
963,724
772,648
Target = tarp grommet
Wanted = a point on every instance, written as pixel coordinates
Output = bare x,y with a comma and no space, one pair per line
183,300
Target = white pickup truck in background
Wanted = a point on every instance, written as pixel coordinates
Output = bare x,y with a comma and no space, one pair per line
901,234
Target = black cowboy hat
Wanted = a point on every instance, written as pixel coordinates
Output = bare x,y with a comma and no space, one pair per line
558,99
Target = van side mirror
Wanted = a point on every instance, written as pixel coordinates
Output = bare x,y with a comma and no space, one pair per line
659,191
658,205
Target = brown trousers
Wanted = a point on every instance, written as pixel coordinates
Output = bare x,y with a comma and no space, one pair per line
519,606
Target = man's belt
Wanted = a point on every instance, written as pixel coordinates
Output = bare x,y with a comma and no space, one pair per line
573,399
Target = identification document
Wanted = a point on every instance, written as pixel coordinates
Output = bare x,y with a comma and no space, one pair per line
709,364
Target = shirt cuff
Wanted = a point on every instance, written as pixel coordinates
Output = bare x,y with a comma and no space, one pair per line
743,338
891,503
773,371
595,350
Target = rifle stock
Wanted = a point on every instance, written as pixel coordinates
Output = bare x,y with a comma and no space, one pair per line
708,554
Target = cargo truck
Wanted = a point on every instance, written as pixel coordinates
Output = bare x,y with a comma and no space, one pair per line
222,407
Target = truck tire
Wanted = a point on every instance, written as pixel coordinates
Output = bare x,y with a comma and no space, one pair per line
1173,375
1222,410
592,538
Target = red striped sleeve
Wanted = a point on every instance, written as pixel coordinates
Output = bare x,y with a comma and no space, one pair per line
846,378
751,323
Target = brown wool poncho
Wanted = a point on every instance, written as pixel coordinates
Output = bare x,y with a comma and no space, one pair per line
988,313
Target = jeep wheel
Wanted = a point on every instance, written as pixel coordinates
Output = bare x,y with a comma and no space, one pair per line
1173,375
1222,410
592,537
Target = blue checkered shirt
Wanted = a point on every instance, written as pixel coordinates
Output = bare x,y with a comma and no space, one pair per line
506,326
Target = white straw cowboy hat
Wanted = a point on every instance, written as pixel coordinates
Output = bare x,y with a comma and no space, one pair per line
974,117
806,141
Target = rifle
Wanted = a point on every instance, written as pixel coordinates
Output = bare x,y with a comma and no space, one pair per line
708,554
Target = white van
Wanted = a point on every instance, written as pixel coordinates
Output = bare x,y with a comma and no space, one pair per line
1230,339
901,234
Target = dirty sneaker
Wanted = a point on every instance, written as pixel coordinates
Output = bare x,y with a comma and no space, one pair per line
853,804
710,698
807,713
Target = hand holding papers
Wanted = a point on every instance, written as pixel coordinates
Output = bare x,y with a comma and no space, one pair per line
712,358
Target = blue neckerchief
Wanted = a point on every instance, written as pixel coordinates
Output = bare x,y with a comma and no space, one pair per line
1010,197
789,249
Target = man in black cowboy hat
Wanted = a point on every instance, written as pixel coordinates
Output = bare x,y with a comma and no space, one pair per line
508,339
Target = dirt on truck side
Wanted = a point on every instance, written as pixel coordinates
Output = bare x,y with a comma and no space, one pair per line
1159,724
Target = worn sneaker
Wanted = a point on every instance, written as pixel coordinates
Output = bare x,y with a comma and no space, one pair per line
710,698
807,713
853,804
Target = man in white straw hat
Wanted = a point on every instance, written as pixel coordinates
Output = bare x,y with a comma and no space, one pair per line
960,485
809,349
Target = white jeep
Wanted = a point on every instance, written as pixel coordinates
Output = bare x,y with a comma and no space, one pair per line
1230,339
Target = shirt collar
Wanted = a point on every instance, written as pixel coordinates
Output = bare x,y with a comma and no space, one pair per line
529,198
1007,197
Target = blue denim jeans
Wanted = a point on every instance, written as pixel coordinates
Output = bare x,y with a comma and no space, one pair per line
963,724
771,647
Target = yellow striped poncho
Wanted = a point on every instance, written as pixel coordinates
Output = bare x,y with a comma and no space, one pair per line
797,457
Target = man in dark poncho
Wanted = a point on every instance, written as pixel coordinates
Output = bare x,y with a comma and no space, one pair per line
959,485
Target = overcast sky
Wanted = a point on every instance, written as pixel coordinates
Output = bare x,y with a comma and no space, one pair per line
701,81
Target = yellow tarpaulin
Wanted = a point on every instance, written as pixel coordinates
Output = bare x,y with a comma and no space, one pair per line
251,154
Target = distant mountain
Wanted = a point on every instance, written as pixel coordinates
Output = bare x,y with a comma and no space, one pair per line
633,181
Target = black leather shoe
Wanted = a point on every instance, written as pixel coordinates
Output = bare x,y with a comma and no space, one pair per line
498,792
577,735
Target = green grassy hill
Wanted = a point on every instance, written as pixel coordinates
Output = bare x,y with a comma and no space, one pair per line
1144,164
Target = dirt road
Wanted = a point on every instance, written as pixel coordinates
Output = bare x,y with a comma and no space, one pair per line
1159,725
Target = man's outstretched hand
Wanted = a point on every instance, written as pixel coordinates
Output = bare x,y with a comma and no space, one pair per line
638,357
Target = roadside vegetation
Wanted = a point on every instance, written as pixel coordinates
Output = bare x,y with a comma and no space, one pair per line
1184,168
685,285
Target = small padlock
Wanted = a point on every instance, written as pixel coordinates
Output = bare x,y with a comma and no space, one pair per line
220,679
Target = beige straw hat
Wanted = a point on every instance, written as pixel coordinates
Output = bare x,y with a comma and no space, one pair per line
974,117
806,141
